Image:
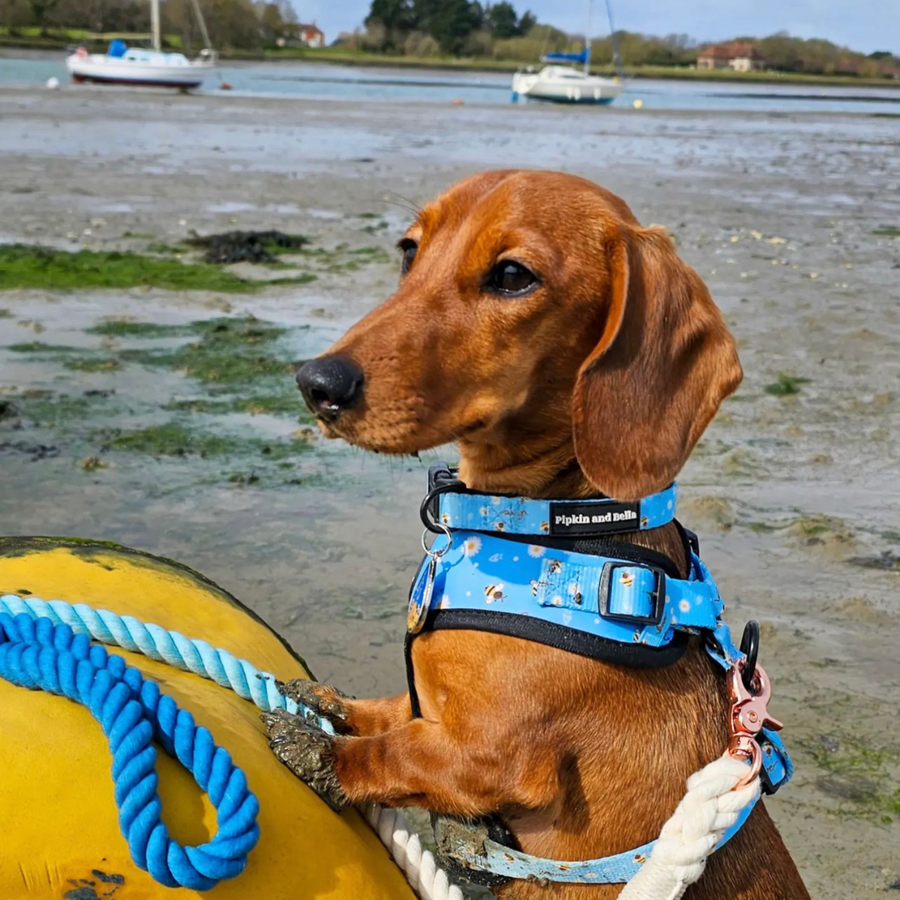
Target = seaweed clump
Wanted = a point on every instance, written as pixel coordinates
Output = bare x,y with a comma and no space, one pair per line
246,246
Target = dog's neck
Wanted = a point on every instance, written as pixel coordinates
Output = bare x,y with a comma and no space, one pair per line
552,473
544,471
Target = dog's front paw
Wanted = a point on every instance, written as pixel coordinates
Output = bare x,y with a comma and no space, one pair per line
308,752
323,699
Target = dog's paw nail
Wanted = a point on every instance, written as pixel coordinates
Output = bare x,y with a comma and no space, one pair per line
316,699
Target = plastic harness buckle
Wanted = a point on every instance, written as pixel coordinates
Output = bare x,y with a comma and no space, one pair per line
610,604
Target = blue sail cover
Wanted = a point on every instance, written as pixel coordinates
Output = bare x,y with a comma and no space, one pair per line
582,57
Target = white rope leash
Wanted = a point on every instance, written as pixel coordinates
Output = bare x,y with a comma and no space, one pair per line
708,809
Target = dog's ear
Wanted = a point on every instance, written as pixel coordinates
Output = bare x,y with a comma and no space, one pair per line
654,381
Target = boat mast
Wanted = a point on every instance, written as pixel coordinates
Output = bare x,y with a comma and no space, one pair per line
207,43
617,57
154,24
587,41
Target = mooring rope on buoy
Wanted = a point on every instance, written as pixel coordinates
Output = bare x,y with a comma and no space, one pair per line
419,866
159,643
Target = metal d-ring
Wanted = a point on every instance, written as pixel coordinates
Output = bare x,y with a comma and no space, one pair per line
750,649
440,528
442,488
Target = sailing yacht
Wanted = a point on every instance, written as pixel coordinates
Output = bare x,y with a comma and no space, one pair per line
566,84
122,64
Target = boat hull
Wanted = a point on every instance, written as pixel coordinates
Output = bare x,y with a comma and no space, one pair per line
137,82
104,70
584,101
566,88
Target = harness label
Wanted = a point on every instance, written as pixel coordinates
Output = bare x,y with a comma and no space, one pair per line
592,518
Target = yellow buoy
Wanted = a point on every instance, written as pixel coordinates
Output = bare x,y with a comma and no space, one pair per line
60,826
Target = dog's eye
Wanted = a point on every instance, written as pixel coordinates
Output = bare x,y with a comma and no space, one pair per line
511,278
409,249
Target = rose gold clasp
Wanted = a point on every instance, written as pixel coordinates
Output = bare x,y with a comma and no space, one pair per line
749,715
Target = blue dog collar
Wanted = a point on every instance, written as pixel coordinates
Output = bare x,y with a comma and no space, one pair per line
558,518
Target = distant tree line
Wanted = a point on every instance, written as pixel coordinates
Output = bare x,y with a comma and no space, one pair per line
235,24
432,27
428,28
781,52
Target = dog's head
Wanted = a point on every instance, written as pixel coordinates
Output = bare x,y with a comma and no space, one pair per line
534,312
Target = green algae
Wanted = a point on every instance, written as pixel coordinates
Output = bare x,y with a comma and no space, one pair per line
231,365
342,258
160,248
41,347
76,359
59,410
811,528
175,439
210,366
786,385
98,364
127,328
230,351
858,772
26,266
287,403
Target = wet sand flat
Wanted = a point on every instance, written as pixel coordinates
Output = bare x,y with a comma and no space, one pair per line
134,435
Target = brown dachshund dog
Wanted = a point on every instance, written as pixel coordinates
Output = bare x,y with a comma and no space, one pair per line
567,351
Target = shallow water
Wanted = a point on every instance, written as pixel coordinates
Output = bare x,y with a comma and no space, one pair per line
795,497
314,81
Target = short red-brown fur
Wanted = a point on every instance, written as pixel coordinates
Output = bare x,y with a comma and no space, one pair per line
602,380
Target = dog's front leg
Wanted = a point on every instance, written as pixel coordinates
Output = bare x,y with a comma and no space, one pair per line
418,764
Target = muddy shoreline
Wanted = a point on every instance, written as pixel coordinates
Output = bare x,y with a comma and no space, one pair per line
790,219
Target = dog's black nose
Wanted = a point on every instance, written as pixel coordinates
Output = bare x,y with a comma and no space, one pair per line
330,384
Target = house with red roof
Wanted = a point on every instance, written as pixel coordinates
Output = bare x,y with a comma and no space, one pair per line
304,35
741,56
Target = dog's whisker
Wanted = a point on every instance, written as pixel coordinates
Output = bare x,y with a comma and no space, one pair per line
403,202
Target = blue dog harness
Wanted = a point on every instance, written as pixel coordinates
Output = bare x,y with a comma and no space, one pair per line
573,590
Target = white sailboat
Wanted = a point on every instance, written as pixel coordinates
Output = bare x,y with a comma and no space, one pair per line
122,64
566,84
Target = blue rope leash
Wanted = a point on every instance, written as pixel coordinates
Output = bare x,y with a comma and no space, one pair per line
47,646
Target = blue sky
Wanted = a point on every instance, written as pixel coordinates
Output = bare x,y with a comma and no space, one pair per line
865,25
